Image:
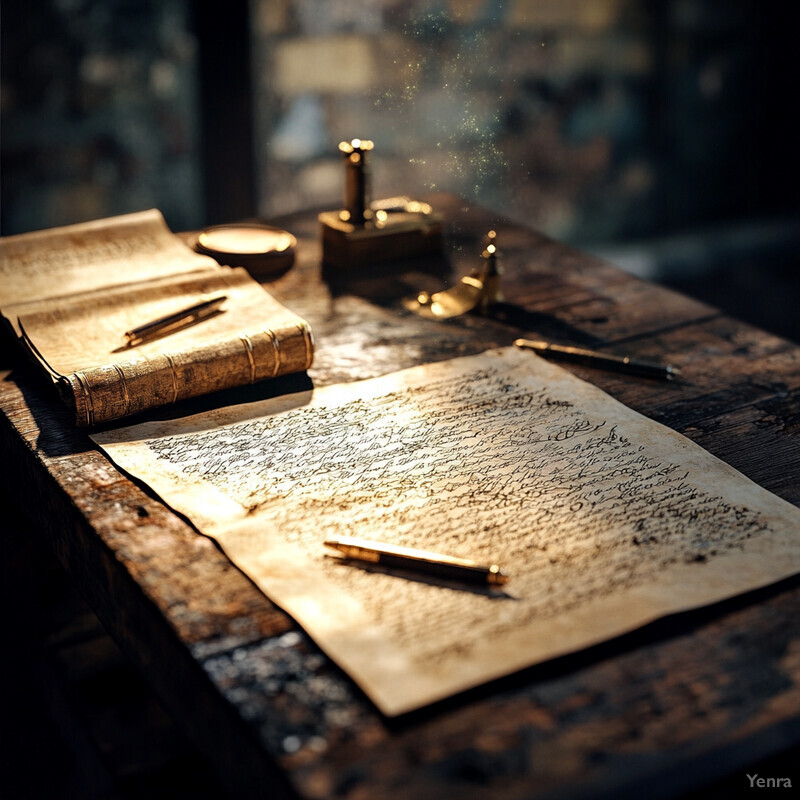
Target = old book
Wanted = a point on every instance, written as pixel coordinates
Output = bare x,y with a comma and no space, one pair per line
70,295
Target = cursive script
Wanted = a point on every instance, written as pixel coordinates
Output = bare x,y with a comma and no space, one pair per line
603,518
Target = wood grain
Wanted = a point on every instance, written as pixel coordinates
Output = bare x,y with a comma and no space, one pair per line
685,700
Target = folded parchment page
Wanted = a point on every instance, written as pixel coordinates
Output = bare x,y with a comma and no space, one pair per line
605,520
89,255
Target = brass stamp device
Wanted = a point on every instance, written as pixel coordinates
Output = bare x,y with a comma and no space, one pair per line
366,232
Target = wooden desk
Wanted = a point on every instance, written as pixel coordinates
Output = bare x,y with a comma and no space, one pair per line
685,701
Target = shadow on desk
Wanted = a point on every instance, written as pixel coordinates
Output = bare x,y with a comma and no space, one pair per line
58,435
77,719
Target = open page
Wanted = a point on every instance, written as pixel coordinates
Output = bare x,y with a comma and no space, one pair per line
604,519
90,255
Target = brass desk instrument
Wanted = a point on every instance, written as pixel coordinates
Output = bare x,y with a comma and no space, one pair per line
477,291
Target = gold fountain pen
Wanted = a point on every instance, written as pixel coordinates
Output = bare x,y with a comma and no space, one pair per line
419,560
173,322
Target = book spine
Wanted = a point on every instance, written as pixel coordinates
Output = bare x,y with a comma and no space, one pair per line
126,388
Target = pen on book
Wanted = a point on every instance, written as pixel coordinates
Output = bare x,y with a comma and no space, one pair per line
419,560
592,358
178,319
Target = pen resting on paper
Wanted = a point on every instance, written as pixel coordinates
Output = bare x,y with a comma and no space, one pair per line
418,560
172,322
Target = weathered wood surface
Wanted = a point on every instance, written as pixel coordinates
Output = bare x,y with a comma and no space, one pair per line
71,701
665,709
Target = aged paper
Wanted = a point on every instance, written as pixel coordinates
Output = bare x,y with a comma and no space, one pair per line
89,255
604,519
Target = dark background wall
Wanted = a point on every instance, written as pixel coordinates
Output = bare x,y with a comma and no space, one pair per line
658,133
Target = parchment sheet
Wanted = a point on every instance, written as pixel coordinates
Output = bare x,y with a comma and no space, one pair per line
604,519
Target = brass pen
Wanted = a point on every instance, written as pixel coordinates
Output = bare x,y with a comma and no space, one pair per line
419,560
591,358
172,322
